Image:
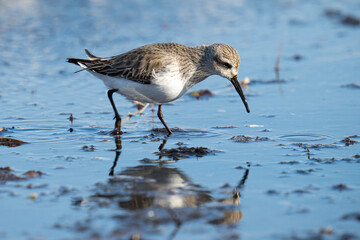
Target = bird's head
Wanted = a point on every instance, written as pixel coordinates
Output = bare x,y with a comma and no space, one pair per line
225,61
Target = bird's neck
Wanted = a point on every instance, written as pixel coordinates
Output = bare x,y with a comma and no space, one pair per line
202,61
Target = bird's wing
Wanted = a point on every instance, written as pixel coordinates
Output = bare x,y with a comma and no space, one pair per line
136,65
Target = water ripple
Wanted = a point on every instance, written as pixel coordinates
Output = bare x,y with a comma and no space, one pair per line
308,137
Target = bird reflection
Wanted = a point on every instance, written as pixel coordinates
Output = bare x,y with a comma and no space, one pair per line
170,193
167,187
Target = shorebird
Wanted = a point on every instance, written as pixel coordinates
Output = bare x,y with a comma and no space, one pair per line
162,72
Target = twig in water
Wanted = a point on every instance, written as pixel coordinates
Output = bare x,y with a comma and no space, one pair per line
308,152
277,63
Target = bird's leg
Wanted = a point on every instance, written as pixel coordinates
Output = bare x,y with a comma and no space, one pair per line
117,117
162,120
139,111
143,108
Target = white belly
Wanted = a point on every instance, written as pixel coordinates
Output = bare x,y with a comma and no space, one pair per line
164,88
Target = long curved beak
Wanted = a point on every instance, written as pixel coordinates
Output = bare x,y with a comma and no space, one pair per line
236,84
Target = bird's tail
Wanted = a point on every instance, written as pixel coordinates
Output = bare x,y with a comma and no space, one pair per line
83,62
91,56
78,61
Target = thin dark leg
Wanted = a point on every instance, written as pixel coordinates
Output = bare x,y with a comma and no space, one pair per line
162,120
117,118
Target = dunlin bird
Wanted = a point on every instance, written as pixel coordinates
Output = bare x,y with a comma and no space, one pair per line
162,72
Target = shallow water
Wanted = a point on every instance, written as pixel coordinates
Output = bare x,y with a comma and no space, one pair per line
297,180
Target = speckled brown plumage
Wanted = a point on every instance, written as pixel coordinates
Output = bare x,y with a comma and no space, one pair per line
140,63
162,72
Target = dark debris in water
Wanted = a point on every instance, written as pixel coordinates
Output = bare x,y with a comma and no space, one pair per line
350,20
305,171
352,216
340,187
272,192
332,13
305,190
289,162
323,160
86,148
6,174
164,131
333,160
240,167
153,137
185,152
320,146
351,85
298,57
345,19
348,141
241,138
223,127
153,160
33,173
245,139
272,81
320,234
316,146
301,191
11,142
204,93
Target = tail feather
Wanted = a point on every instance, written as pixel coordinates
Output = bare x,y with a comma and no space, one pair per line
86,64
78,60
91,56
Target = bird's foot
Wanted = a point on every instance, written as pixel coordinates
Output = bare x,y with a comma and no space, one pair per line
117,128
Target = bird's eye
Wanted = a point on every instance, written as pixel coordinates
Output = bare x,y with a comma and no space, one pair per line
225,64
228,65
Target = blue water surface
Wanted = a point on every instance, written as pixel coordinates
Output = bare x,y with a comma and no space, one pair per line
301,181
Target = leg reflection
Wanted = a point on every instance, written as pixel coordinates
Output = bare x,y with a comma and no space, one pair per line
161,147
177,222
118,145
117,153
243,179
